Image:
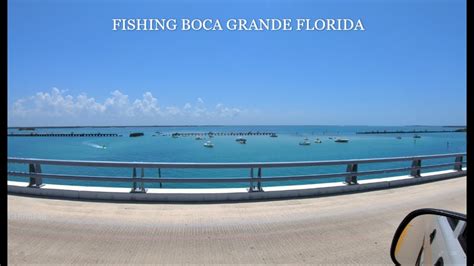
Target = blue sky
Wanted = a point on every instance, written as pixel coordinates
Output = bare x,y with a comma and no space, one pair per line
67,67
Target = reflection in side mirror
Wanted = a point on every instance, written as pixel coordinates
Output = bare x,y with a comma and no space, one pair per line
430,237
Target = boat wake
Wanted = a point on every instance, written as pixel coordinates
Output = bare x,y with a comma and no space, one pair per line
97,146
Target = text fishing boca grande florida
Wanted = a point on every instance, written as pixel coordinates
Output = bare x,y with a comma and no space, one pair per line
237,24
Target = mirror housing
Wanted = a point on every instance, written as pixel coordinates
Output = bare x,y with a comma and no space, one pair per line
430,236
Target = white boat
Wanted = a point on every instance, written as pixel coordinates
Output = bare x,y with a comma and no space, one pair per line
305,142
240,139
340,140
318,141
198,138
208,144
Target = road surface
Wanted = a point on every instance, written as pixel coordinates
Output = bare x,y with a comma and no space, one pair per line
342,229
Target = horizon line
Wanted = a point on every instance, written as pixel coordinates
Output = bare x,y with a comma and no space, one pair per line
227,125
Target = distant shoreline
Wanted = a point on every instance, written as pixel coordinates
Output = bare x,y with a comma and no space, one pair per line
129,126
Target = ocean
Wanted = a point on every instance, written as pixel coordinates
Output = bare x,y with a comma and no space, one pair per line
158,146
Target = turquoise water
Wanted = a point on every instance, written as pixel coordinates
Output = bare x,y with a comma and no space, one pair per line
285,147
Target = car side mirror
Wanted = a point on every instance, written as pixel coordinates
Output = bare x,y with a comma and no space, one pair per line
430,237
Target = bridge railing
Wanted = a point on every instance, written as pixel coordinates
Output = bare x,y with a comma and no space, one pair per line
255,178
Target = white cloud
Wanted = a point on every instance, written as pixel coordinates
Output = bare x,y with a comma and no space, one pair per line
224,111
172,110
118,104
61,108
146,106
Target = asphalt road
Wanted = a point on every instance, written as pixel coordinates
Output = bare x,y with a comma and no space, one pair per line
344,229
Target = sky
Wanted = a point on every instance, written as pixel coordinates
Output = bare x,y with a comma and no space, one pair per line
67,67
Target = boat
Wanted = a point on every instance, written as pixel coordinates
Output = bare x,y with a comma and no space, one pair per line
208,144
175,135
136,134
399,137
273,135
305,142
340,140
318,141
243,141
240,139
198,138
417,136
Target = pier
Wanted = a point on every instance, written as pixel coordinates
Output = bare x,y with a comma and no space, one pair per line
201,134
64,135
410,131
26,128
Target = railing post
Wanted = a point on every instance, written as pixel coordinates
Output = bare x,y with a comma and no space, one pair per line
415,168
35,181
458,163
251,187
351,179
259,182
135,188
159,176
134,175
142,185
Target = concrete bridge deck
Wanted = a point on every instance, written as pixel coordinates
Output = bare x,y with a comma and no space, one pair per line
342,229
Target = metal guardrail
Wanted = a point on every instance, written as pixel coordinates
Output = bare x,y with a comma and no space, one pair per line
255,181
